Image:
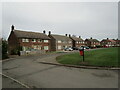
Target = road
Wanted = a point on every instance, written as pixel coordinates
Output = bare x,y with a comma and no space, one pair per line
31,72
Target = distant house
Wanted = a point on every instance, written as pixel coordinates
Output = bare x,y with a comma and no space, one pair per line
108,42
92,42
27,41
59,42
77,42
117,42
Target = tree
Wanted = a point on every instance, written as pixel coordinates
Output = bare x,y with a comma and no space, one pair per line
4,49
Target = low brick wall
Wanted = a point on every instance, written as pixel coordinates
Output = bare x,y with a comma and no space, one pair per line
32,52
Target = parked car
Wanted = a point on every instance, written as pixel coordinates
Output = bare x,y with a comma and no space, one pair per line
75,48
85,47
68,49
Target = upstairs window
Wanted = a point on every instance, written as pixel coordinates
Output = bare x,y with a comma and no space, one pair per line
45,40
59,41
33,40
39,40
25,40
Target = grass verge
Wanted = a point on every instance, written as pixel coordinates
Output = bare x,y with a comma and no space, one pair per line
103,57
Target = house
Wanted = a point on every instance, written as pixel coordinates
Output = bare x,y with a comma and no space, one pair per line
92,42
59,42
27,41
117,42
108,42
77,41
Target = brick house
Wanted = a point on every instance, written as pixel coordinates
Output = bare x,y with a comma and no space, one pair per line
77,41
59,42
117,42
108,42
92,42
27,41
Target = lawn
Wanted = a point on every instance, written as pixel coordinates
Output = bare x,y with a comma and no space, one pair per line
102,57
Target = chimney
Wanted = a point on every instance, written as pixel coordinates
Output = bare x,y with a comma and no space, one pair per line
44,31
66,35
107,38
69,35
91,38
12,27
49,32
79,36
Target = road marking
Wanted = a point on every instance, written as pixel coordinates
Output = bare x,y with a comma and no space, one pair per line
26,86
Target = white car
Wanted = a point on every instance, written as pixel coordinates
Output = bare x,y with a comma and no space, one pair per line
68,49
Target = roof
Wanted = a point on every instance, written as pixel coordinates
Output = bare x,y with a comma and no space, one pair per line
26,34
92,40
77,39
60,37
108,40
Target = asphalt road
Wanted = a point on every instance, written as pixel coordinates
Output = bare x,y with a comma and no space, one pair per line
37,75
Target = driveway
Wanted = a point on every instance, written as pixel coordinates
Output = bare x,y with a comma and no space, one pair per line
31,72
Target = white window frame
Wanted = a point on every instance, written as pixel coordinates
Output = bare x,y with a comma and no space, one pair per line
46,48
33,40
59,47
39,40
59,41
46,41
25,40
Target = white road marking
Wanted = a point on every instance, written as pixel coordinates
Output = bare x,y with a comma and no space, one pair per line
26,86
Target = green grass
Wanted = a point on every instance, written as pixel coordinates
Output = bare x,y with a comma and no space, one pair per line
102,57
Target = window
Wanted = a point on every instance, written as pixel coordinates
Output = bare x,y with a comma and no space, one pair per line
59,47
33,40
39,40
69,41
45,47
39,47
35,47
25,40
45,40
59,41
24,48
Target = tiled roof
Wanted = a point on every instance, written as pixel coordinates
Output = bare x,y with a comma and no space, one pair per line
26,34
92,40
108,40
77,39
60,37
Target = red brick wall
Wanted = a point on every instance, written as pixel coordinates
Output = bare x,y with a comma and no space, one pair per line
30,43
13,42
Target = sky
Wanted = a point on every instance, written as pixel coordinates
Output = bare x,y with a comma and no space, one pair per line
98,20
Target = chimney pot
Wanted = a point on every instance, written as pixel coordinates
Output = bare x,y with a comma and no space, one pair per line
91,38
49,32
69,35
12,27
44,31
79,36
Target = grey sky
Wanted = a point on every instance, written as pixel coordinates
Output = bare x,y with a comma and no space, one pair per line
87,19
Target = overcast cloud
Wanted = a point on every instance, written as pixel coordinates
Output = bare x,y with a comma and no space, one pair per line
86,19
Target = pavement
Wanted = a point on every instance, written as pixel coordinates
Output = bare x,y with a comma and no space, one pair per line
30,71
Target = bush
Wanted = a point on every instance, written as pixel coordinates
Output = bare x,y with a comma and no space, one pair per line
4,49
